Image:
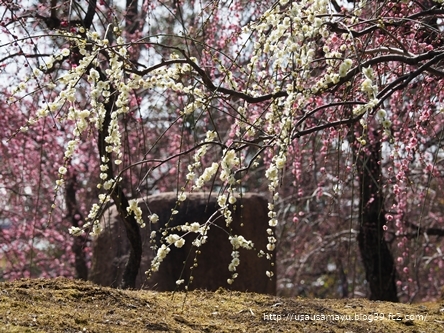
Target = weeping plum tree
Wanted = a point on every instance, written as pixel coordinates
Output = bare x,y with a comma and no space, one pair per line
333,108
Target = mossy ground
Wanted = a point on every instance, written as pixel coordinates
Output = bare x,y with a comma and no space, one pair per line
63,305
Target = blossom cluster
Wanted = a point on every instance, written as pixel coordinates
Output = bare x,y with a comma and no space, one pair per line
209,172
176,240
109,83
133,208
240,242
162,252
237,242
229,161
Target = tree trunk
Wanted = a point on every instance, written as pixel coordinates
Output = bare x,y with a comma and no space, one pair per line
74,215
120,199
376,256
133,234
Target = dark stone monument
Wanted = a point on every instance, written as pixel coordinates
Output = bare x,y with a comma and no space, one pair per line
250,219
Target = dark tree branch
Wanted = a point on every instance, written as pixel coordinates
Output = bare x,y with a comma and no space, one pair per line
422,230
26,55
91,11
334,26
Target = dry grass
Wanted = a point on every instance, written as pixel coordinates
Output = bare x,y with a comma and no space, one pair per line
63,305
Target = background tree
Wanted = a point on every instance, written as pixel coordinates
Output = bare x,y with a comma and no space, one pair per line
337,104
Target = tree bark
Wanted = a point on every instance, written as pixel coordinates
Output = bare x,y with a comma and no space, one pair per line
133,234
376,256
120,199
74,215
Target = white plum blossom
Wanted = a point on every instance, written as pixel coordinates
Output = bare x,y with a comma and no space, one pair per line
172,238
272,172
222,200
273,222
93,75
208,173
344,67
96,229
194,227
181,197
381,113
386,123
229,161
62,170
176,240
76,231
154,218
108,184
280,161
162,252
210,136
239,241
233,264
134,209
179,243
368,73
65,52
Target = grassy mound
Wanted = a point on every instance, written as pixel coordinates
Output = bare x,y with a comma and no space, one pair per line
63,305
